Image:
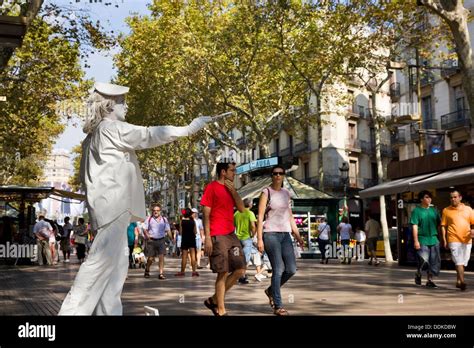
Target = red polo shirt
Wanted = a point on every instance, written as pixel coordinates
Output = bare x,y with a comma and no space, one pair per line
218,198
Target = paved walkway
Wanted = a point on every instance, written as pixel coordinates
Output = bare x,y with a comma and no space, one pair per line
316,289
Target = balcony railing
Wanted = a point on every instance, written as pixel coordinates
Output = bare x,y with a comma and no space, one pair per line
456,119
285,152
367,147
301,148
430,124
353,112
449,68
386,150
427,78
356,182
353,144
212,147
414,132
241,142
395,90
370,182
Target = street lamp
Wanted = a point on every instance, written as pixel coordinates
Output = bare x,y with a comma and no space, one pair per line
344,169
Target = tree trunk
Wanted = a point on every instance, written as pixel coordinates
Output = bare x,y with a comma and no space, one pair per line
378,156
319,138
456,16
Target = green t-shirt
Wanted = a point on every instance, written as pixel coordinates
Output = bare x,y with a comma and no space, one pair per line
242,223
428,220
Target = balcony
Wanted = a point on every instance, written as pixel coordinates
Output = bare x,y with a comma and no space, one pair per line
212,147
353,144
386,150
301,149
395,91
370,182
356,182
427,78
355,112
456,119
241,143
285,152
367,147
400,137
430,124
449,68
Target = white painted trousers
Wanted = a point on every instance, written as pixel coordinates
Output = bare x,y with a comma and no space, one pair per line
99,282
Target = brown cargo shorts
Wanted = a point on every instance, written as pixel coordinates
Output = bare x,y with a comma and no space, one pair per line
227,254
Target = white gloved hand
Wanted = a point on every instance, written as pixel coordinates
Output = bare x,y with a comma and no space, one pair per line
199,123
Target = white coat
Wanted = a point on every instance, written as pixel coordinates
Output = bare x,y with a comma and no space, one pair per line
110,172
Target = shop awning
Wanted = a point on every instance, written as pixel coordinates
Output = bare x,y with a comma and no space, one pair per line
297,189
395,186
452,177
35,194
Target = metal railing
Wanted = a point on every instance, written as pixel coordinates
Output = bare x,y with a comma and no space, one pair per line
367,147
430,124
449,68
301,148
356,182
333,181
241,142
353,144
456,119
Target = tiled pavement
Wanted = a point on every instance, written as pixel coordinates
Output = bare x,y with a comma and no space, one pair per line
316,289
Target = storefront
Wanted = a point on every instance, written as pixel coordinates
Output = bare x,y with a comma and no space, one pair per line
437,173
308,206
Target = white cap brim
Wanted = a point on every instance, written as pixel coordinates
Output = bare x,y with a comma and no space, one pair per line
110,89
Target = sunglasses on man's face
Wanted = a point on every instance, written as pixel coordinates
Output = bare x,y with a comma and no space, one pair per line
278,173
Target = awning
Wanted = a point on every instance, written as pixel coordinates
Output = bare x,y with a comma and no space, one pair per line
447,178
297,189
392,187
452,177
35,194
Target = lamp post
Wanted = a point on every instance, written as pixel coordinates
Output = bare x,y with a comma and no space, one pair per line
344,169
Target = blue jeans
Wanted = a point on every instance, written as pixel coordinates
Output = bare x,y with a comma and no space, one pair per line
429,259
247,248
279,249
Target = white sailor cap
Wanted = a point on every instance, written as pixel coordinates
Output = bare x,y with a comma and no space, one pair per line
110,89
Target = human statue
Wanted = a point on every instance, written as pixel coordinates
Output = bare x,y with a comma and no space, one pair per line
113,185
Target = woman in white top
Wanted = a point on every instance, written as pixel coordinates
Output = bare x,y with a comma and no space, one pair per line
344,231
275,232
360,238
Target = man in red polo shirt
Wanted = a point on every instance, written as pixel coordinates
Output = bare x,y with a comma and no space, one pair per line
221,243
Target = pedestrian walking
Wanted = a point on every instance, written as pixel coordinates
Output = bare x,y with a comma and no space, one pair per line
42,230
345,234
457,228
221,243
373,230
156,229
274,228
245,229
188,243
66,239
199,236
324,238
360,238
80,237
425,221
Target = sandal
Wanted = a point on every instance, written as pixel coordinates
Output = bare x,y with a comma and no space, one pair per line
161,276
281,312
147,275
270,298
209,303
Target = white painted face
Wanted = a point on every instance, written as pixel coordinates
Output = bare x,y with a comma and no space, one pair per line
120,108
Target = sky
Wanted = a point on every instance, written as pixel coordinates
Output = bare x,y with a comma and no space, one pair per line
102,68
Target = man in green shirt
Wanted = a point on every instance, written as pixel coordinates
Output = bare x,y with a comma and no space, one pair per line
245,229
425,221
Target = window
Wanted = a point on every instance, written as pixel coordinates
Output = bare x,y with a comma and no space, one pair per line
306,170
352,131
426,110
277,146
353,169
374,172
290,143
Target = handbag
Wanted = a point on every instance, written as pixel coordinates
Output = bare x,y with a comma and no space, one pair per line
80,240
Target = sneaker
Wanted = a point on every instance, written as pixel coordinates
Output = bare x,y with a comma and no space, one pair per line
67,261
259,277
418,279
430,284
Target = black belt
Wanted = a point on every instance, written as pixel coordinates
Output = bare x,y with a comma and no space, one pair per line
157,238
